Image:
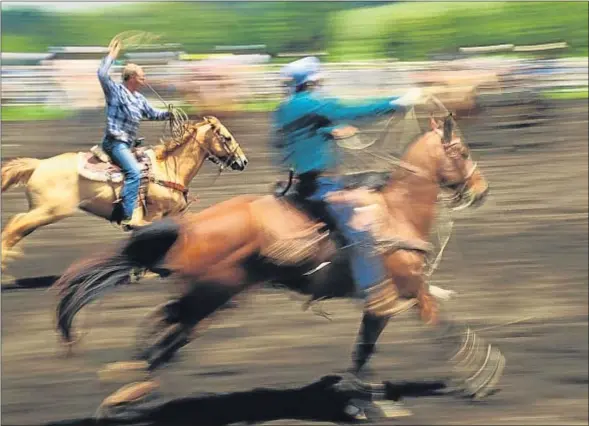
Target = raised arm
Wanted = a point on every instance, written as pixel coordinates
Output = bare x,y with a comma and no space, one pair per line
105,81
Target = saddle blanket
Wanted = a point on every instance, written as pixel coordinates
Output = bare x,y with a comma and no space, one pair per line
93,168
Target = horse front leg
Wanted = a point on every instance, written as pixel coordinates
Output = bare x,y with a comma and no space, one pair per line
369,400
474,365
370,330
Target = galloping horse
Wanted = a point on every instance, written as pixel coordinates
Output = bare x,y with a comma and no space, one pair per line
231,246
57,186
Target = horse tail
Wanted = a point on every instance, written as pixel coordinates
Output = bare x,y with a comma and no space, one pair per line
91,278
18,171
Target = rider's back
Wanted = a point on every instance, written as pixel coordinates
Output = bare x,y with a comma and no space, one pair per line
304,130
306,121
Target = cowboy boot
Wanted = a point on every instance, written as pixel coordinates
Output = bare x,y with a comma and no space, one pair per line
383,300
135,221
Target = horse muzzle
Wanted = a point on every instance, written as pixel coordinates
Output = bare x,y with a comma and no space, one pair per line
239,164
478,199
469,198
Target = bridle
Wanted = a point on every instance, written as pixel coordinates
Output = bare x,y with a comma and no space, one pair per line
222,139
210,155
225,143
452,150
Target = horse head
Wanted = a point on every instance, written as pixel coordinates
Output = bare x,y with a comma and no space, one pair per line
456,169
222,148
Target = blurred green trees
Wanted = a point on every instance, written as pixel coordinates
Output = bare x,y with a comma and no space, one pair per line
347,30
415,30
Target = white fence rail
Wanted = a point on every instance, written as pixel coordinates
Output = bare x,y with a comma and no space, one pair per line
78,86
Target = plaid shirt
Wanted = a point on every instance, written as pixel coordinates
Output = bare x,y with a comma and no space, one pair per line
124,110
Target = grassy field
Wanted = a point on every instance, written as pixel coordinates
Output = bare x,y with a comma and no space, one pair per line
566,95
34,113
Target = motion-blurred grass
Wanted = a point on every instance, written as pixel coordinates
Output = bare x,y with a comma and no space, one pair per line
566,95
403,30
34,112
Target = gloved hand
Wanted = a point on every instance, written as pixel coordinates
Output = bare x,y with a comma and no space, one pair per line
410,98
170,110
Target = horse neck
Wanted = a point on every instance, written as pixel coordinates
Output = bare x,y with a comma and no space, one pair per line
414,195
187,159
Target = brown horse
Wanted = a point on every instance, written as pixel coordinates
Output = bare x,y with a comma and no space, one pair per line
56,187
249,239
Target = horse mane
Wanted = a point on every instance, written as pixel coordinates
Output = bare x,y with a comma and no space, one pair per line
180,136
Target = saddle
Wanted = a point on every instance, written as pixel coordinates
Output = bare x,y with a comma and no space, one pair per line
297,231
97,166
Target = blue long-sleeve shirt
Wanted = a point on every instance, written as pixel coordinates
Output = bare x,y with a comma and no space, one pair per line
124,110
301,129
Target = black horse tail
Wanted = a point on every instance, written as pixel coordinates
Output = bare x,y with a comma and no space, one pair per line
91,278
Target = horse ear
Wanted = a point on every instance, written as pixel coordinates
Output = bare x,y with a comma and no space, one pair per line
433,124
214,121
448,128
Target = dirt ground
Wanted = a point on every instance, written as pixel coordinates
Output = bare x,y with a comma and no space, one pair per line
518,264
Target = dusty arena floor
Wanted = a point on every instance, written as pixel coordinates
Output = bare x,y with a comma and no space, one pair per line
519,265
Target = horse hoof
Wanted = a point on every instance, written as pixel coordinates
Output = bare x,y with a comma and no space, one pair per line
8,280
354,412
120,403
130,394
124,371
141,274
489,387
150,275
387,410
11,254
478,368
376,411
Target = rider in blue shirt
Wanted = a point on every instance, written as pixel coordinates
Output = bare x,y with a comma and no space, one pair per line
125,108
302,135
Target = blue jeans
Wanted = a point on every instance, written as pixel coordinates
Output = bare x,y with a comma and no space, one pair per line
367,267
121,154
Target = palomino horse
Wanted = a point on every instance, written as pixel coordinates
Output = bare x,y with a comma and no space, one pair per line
57,186
231,246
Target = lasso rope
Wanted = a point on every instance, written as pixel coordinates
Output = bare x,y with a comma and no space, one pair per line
134,39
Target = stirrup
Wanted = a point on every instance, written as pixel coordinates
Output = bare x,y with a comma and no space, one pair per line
127,226
383,300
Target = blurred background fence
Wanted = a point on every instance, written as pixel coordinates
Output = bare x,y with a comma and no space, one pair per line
74,84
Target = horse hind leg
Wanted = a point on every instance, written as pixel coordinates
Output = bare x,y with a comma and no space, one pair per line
160,334
164,332
24,224
168,328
